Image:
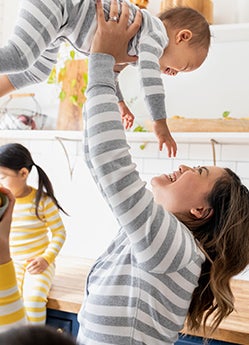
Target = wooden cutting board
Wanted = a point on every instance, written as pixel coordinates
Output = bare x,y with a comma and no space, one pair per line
205,125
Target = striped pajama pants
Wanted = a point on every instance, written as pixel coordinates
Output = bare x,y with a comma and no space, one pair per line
34,289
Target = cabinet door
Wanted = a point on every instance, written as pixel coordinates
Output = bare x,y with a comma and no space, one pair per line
63,321
192,340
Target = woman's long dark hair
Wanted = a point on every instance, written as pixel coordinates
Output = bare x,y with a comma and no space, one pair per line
15,156
224,238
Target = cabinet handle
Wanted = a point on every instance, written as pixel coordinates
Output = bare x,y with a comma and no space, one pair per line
60,330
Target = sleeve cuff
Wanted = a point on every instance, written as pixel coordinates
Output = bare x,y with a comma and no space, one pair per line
100,70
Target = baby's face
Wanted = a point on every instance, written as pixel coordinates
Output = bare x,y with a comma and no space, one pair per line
181,57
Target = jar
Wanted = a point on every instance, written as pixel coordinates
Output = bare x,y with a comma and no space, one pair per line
205,7
140,3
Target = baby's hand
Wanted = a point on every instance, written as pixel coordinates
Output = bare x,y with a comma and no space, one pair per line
37,265
126,116
164,137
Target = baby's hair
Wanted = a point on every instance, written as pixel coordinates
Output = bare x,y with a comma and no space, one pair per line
15,156
190,19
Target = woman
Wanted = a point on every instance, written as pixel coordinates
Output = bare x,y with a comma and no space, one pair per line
177,248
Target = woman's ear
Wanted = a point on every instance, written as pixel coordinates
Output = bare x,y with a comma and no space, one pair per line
202,212
183,35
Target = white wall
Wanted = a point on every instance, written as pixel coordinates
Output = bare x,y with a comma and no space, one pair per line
220,84
91,225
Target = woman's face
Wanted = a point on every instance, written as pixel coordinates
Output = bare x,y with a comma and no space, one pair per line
185,190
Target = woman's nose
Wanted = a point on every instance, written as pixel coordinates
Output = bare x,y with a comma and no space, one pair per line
183,168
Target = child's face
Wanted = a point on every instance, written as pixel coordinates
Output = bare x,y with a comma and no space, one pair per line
14,181
180,56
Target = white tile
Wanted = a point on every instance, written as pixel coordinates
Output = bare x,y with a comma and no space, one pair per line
235,152
157,166
144,149
243,169
203,151
227,164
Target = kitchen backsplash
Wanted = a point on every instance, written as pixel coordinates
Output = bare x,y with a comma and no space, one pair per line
90,226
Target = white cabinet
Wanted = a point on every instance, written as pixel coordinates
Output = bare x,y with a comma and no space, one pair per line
230,32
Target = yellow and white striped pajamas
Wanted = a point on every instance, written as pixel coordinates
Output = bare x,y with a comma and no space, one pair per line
12,311
31,237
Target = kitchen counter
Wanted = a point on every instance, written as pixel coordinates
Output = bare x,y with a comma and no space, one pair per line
68,289
235,328
237,138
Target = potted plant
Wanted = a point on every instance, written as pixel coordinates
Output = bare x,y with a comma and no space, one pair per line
71,74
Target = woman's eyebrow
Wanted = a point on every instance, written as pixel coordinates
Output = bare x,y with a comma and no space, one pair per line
206,169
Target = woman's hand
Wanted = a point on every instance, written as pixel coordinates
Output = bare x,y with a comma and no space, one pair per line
5,227
112,37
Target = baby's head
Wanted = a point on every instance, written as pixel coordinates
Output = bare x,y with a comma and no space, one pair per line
189,40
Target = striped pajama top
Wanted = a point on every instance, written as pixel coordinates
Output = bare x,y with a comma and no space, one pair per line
42,25
12,311
29,235
139,291
28,238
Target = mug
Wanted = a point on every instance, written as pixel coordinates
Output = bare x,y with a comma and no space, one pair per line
4,204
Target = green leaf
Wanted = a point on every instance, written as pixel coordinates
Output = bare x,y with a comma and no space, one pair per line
226,114
85,78
52,76
62,95
72,54
139,128
73,83
74,99
142,146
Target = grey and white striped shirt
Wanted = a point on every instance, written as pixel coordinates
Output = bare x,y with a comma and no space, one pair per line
43,25
139,290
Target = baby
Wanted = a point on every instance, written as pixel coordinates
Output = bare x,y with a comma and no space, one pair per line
177,41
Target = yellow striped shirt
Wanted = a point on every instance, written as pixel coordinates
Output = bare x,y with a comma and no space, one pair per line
31,236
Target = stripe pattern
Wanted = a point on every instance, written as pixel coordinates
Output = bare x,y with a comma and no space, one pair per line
139,290
43,25
31,237
12,312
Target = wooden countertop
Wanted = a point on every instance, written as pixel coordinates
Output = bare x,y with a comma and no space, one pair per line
68,285
67,294
235,328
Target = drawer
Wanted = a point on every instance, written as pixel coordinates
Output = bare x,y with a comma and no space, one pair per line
63,321
192,340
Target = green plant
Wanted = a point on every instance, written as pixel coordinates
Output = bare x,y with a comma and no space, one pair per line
225,114
139,128
60,73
